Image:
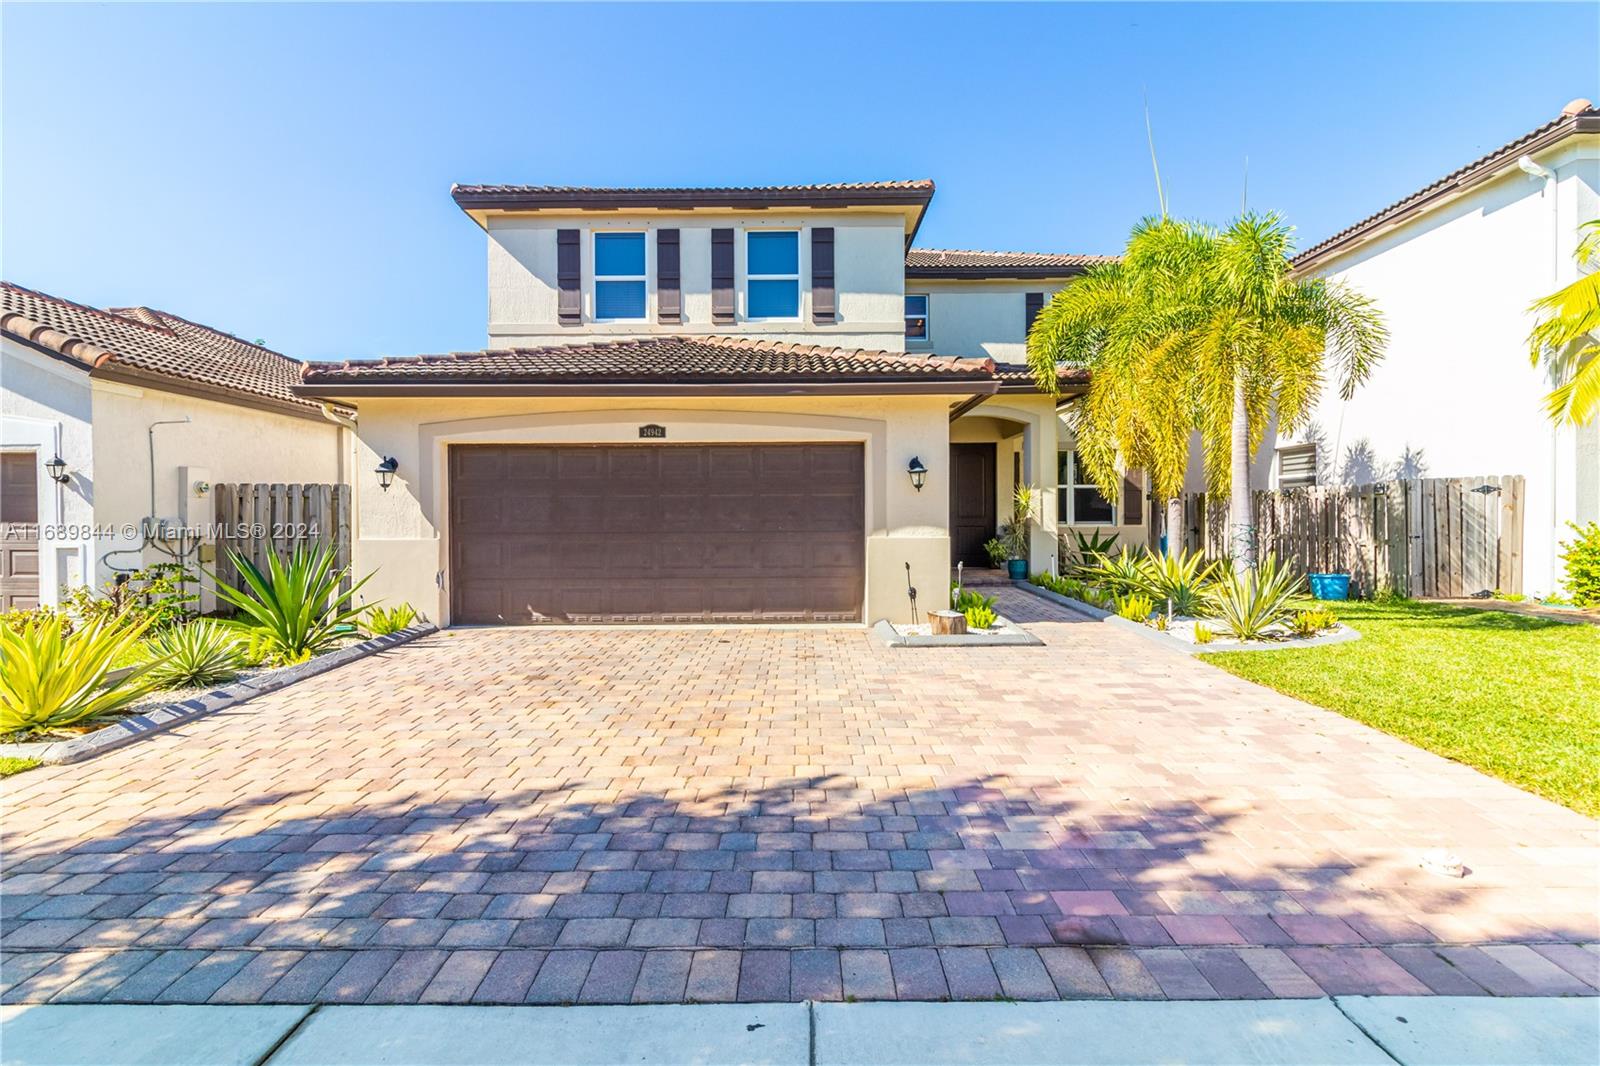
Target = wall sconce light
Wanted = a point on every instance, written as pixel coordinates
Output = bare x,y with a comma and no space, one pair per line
386,471
202,487
57,469
918,472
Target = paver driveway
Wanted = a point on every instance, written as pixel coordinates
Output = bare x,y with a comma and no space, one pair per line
634,815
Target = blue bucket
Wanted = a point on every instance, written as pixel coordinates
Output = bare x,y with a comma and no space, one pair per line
1330,586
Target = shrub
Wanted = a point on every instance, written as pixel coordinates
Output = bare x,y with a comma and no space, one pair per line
1159,620
1313,620
1582,556
980,617
295,609
1180,578
964,599
998,553
1249,604
381,622
163,595
1135,607
1202,633
203,652
51,677
1117,574
1091,547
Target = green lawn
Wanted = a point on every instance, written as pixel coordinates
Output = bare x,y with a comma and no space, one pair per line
1516,697
9,766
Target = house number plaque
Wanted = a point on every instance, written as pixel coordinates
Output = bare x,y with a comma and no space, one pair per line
653,432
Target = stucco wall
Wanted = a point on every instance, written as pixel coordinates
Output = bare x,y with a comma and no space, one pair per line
403,533
45,409
869,264
220,443
1024,427
978,318
1454,286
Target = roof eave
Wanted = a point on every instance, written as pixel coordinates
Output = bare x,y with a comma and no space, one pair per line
504,387
120,372
1052,273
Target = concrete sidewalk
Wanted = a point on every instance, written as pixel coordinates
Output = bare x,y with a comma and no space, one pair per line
1412,1031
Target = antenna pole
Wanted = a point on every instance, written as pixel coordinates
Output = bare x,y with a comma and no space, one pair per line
1149,132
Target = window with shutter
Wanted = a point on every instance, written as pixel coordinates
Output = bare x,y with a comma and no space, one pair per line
822,299
669,286
722,276
569,277
1132,498
1034,304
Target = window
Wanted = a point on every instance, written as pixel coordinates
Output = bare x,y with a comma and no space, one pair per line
916,316
1078,502
772,269
1297,466
618,275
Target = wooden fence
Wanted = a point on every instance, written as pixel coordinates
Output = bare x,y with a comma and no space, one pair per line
1426,537
256,520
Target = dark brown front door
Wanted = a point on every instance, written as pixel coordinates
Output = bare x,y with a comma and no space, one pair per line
657,533
19,530
972,507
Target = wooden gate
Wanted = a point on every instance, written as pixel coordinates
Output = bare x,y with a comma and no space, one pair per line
257,520
1425,537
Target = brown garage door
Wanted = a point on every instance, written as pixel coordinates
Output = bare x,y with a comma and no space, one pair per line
657,533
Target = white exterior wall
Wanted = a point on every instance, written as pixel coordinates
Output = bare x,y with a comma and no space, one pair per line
978,318
869,274
46,408
1454,286
403,534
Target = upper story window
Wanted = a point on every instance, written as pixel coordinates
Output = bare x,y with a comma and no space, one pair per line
1078,501
619,280
772,268
916,316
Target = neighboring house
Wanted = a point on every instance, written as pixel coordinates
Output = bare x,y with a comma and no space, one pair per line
141,408
712,404
1454,267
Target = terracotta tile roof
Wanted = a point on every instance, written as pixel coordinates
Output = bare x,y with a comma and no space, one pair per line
580,196
677,360
1014,374
1580,116
145,343
954,263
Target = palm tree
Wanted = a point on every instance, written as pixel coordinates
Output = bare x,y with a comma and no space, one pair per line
1564,339
1208,331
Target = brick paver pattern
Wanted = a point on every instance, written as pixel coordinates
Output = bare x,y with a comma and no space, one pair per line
635,815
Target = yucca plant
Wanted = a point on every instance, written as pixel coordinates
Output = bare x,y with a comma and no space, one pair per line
294,609
202,652
1249,603
1120,573
383,621
1179,577
52,677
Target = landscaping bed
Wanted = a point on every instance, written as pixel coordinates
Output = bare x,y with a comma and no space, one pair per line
1002,633
1511,695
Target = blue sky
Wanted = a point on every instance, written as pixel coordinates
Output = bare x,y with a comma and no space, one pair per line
283,171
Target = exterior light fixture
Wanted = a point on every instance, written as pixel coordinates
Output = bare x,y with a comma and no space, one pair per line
918,472
57,469
386,471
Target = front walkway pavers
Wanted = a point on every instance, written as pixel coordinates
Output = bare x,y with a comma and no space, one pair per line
633,816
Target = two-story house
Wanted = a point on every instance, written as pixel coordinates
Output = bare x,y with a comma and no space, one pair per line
712,404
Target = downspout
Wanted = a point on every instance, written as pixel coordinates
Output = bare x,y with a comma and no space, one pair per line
1535,169
344,422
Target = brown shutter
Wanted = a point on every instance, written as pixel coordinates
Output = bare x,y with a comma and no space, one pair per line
1132,499
822,301
1035,304
669,294
722,276
569,278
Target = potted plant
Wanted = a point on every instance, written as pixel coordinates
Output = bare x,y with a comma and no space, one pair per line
1017,532
998,552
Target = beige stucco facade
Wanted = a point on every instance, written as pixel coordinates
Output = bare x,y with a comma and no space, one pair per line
869,257
403,534
978,318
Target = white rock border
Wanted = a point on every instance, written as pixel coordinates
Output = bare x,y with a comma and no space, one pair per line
1010,635
1342,636
125,731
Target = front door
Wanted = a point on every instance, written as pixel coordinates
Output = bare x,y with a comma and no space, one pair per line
19,531
972,502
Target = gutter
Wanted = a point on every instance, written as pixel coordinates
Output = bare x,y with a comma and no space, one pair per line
315,391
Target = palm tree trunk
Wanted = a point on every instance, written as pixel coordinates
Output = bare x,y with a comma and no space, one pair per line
1175,530
1241,520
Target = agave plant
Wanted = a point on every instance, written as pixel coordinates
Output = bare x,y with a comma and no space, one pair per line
1249,603
203,652
1123,572
52,677
1091,547
1180,578
294,609
383,621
